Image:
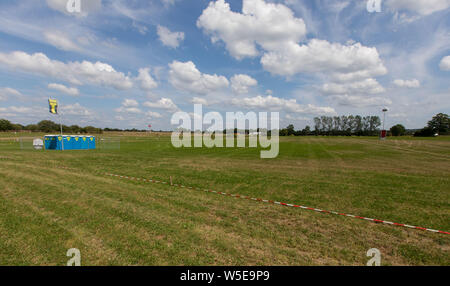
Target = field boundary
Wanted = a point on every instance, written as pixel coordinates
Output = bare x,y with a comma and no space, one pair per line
269,202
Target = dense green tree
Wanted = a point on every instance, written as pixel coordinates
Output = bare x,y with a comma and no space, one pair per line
440,123
5,125
48,126
398,130
425,132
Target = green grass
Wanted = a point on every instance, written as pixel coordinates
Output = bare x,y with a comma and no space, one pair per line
47,210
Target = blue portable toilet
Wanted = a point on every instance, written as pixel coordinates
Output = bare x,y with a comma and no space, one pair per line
91,142
50,142
55,142
77,142
68,145
84,143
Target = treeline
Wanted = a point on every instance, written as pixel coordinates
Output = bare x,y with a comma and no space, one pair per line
48,126
438,125
347,125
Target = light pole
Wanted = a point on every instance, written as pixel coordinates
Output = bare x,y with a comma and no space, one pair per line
384,116
384,132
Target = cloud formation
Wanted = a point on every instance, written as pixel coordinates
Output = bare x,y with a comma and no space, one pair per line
186,77
241,83
445,63
268,25
168,38
413,83
78,73
64,89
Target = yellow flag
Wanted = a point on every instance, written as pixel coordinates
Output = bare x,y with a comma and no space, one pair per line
53,105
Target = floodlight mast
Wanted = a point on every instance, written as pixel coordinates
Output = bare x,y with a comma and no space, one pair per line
384,116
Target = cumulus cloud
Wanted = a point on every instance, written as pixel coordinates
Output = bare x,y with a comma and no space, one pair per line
342,62
279,104
361,101
87,6
445,63
129,106
413,83
275,29
163,103
64,89
145,80
152,114
78,73
422,7
367,86
168,38
186,77
241,83
268,25
75,109
130,103
199,100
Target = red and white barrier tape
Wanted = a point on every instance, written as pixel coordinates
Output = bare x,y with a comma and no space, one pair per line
282,204
277,203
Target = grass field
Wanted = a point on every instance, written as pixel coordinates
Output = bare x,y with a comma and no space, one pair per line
45,210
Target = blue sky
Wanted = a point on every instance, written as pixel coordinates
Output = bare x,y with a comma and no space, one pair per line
128,64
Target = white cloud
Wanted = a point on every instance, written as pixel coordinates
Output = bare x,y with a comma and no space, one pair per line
73,72
16,109
146,80
168,38
186,77
6,92
367,86
361,101
163,103
75,109
61,41
445,63
275,29
269,25
152,114
279,104
199,100
241,83
342,62
130,103
124,109
129,106
413,83
64,89
297,118
87,6
422,7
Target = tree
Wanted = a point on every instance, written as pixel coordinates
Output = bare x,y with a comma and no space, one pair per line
440,123
290,130
425,132
48,126
5,125
398,130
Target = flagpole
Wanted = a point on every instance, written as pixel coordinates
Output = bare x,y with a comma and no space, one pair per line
62,137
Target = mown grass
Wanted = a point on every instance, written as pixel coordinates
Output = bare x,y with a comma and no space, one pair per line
47,210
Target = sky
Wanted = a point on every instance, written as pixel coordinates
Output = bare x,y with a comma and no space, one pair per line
128,64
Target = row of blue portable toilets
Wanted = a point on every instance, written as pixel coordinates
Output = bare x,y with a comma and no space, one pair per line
69,142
